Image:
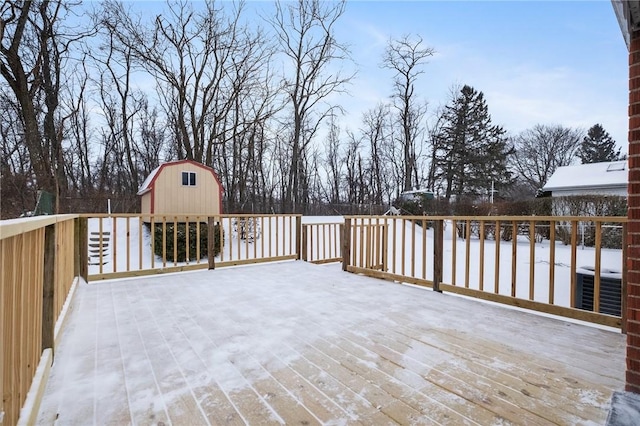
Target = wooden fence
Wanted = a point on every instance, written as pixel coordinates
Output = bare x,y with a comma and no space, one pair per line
530,262
131,245
39,258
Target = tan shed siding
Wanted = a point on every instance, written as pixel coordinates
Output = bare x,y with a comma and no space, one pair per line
145,203
172,197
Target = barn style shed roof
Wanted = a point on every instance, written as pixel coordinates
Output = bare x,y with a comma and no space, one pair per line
150,180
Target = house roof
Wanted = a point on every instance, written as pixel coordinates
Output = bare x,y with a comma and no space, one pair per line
613,174
150,180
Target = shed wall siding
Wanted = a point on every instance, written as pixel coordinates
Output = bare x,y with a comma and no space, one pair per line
145,203
172,197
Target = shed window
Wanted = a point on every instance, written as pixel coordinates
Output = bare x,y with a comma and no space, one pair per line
188,178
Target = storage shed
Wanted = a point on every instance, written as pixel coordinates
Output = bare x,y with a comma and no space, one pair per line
182,188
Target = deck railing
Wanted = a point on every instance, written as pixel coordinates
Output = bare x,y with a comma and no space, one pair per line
321,242
557,265
39,258
131,245
529,262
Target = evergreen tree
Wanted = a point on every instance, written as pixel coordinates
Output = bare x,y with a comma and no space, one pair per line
598,146
469,152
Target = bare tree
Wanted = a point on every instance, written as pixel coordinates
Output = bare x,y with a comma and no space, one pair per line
305,32
376,131
539,151
242,158
356,186
193,55
405,58
121,104
34,51
334,164
17,192
79,135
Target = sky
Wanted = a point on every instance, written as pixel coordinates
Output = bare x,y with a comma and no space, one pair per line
537,62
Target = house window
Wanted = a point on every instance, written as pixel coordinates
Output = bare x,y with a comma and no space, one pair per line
188,178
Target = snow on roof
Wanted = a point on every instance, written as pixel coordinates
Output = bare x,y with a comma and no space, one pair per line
145,185
584,176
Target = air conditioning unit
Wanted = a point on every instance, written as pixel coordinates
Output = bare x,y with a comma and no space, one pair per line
610,290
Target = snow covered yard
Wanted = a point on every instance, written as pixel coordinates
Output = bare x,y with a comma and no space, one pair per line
297,343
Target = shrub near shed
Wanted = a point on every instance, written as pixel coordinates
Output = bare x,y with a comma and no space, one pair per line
181,239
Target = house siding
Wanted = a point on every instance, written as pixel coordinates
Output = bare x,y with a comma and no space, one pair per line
621,192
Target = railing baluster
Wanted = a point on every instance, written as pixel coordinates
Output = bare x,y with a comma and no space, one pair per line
186,232
598,266
454,250
128,244
413,248
481,272
424,249
140,248
552,261
262,239
270,219
574,253
403,244
101,246
198,219
532,259
467,252
153,242
394,243
175,241
497,238
114,244
514,256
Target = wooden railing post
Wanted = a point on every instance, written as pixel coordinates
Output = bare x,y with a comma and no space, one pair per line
438,253
303,248
82,248
346,244
301,244
623,290
211,243
48,287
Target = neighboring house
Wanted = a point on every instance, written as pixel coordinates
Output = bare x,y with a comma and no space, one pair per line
185,188
609,178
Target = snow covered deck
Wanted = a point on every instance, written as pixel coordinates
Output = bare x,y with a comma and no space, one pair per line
298,343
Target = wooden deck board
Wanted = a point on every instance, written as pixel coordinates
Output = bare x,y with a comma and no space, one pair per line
308,344
509,386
